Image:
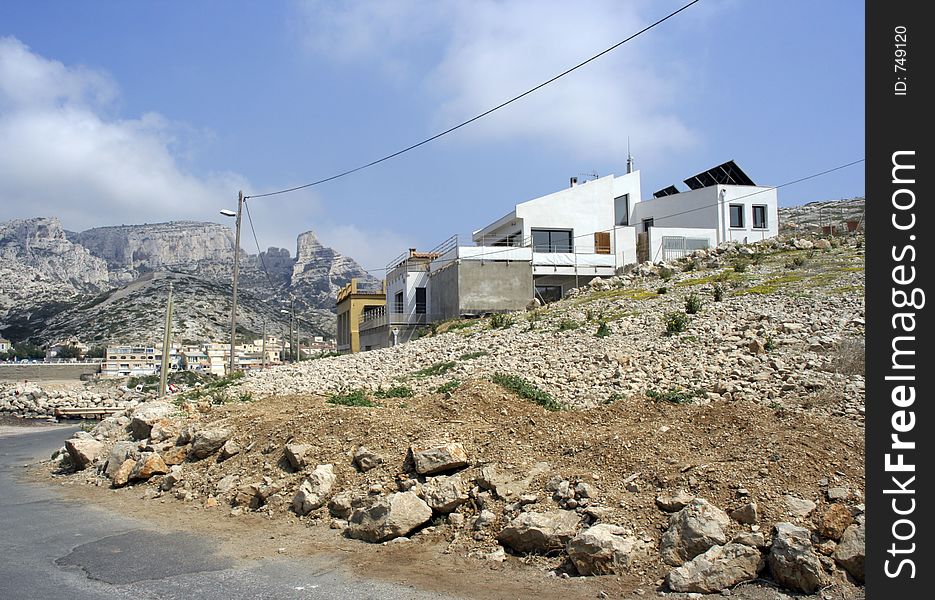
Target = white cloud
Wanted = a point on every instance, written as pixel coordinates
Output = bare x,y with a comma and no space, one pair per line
61,154
494,50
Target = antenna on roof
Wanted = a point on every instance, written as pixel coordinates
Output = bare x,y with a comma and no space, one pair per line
629,157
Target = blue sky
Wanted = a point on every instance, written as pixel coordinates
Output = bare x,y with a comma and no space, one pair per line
126,112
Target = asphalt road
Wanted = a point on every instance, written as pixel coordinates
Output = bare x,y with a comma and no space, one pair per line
50,548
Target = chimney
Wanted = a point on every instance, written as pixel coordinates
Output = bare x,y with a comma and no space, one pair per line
412,251
573,181
629,157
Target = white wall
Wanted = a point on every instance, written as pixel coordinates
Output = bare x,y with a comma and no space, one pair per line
407,282
705,208
657,233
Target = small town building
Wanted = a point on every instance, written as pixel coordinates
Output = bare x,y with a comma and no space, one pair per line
353,300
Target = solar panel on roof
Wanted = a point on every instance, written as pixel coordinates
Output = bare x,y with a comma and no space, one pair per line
666,191
725,174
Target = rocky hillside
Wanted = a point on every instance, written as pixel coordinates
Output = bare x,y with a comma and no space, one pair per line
692,427
813,215
105,284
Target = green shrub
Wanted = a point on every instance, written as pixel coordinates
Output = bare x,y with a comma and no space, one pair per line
770,344
676,322
689,266
602,330
524,389
438,368
757,257
500,321
797,262
449,386
693,304
673,396
397,391
666,273
614,397
352,398
472,355
718,292
663,290
740,266
568,325
589,315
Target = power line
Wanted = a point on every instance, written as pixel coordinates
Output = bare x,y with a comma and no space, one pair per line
481,115
697,208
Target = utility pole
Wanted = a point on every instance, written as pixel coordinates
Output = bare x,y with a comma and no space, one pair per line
264,343
234,292
298,339
166,339
292,328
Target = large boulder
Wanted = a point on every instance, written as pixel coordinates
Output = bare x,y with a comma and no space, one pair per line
118,454
603,550
718,568
146,415
444,494
693,530
84,451
163,430
313,493
507,487
438,458
390,517
540,532
208,441
793,562
850,551
121,475
149,464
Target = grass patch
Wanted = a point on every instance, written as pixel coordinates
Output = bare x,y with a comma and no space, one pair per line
693,304
500,321
439,368
448,386
352,398
568,325
473,355
454,325
524,389
215,390
722,277
397,391
672,396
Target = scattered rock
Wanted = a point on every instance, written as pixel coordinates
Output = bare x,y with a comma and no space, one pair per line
603,550
146,415
793,562
229,449
718,568
750,538
314,490
149,464
366,459
162,430
390,517
438,458
798,507
834,520
444,494
175,455
84,451
341,505
675,501
119,453
540,532
850,551
746,514
297,455
692,531
121,475
208,441
172,478
838,494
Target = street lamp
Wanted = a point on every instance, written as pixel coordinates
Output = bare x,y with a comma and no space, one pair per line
229,213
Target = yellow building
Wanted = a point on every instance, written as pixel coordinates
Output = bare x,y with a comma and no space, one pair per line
353,300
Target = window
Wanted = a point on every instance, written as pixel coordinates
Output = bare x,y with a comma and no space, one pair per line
759,217
602,242
398,304
622,210
736,216
551,240
647,223
420,300
549,293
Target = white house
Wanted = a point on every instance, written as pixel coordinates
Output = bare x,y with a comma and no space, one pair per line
4,345
548,245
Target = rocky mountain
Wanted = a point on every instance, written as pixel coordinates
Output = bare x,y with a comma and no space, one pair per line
109,284
813,215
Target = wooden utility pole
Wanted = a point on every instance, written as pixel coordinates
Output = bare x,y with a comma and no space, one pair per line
234,292
166,340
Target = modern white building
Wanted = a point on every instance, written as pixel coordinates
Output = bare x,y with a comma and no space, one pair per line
548,245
